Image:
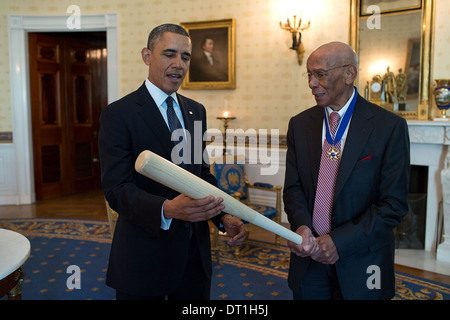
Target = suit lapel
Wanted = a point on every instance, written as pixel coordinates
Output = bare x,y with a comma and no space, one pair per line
358,133
152,116
314,139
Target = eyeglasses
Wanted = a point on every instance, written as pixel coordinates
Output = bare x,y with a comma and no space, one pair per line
320,74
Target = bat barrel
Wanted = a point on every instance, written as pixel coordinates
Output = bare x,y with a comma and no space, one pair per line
167,173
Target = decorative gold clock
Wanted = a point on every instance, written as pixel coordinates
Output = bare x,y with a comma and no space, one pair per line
375,89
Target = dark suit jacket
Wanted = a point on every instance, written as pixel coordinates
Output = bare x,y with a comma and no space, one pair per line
146,260
370,196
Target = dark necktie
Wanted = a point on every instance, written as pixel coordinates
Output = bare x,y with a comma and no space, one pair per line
323,203
174,124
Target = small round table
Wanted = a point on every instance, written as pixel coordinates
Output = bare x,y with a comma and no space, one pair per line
14,251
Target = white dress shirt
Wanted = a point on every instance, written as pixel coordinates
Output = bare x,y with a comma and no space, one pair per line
209,57
160,97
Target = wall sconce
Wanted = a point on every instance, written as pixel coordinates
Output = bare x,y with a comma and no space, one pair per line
290,12
225,117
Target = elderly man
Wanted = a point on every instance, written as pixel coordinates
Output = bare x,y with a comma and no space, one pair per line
346,185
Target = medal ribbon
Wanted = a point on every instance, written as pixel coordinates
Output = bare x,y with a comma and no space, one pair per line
344,122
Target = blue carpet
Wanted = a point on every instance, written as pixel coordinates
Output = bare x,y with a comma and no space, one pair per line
260,273
57,244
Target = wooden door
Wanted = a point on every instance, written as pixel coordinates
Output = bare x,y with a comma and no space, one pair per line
68,90
87,95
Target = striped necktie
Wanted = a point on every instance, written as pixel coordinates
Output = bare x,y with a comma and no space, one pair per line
323,202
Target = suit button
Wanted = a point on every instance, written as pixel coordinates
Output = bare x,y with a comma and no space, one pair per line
187,224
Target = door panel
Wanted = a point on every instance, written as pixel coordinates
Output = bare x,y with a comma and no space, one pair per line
47,113
68,91
81,105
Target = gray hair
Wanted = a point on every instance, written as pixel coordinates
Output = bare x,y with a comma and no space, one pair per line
157,33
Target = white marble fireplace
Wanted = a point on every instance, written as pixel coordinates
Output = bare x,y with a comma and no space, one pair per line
429,144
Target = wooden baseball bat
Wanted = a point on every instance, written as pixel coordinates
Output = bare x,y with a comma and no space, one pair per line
167,173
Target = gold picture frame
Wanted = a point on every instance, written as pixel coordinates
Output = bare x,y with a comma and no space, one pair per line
213,55
389,6
424,109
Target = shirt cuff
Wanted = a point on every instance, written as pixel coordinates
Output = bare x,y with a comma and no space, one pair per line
165,223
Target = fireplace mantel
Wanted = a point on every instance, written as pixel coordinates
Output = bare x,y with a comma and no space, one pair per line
429,132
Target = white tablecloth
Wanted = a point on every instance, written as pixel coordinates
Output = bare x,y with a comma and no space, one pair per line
14,251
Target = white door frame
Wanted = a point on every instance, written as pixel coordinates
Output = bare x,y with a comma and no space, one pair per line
18,28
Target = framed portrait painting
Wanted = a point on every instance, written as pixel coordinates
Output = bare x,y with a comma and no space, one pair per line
389,6
213,55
